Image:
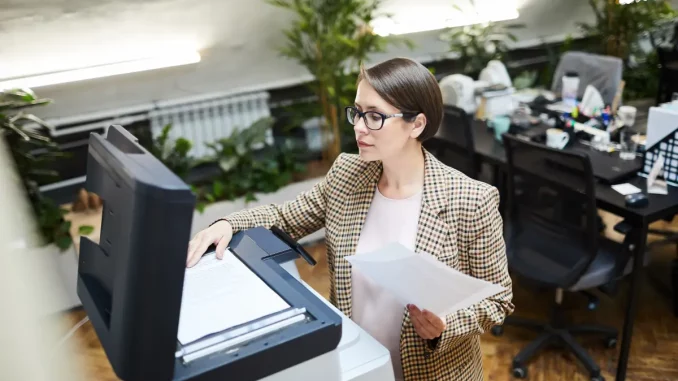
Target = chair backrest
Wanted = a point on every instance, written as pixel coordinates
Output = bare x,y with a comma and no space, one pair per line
453,143
602,72
555,205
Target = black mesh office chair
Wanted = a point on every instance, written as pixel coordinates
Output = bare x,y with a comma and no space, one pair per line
554,253
453,144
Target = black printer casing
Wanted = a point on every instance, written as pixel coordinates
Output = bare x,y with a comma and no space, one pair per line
131,281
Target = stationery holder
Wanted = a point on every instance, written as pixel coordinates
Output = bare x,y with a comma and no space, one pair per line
668,147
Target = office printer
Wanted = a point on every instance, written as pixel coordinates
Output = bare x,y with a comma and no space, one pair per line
131,281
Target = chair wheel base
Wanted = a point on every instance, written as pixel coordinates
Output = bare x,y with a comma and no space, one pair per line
519,372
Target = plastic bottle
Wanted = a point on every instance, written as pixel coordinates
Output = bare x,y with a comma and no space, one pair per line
570,88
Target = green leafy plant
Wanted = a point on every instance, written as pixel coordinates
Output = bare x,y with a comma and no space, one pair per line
331,38
619,30
619,27
478,44
174,156
525,80
248,166
32,150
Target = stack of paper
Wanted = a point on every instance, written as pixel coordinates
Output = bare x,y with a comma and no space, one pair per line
422,280
221,294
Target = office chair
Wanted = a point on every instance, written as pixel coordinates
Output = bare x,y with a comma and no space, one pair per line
453,143
554,253
602,72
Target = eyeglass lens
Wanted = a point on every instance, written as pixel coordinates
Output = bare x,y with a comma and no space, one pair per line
373,119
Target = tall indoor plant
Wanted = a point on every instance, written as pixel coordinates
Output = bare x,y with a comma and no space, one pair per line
620,29
331,38
32,150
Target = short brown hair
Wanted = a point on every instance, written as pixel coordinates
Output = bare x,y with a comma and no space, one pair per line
410,87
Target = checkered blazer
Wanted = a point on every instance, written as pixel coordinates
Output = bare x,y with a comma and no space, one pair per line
459,223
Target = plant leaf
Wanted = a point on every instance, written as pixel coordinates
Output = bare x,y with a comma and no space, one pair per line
63,242
228,163
200,207
85,229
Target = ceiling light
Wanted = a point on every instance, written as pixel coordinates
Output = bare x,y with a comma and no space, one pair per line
107,70
407,19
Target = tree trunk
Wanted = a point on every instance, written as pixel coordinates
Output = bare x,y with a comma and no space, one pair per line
329,127
335,146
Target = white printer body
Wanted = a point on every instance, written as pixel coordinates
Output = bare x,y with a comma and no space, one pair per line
359,357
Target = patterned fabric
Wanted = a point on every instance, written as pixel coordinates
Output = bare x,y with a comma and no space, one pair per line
459,223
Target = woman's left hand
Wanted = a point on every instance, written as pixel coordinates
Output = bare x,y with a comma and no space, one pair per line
427,324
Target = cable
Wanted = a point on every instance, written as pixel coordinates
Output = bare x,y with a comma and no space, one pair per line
72,331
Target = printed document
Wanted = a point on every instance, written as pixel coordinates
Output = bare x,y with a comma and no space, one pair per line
222,293
421,279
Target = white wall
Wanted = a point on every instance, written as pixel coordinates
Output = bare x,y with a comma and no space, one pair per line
237,39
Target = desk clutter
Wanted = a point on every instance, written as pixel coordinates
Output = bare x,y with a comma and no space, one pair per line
577,116
576,136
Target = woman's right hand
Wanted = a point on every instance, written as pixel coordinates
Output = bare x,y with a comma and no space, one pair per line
219,234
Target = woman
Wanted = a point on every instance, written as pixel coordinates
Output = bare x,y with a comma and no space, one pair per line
394,190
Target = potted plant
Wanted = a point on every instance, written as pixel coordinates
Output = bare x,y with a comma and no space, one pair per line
476,45
620,29
32,150
331,38
249,169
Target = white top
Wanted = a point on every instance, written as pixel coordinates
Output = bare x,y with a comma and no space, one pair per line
374,309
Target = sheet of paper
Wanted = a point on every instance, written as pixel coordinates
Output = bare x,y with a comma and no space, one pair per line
626,189
220,294
422,280
559,107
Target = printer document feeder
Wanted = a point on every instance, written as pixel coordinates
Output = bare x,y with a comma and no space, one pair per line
134,303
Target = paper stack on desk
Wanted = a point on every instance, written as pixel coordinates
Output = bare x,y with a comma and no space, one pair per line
421,279
221,294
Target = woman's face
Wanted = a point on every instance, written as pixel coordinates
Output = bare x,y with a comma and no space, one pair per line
396,135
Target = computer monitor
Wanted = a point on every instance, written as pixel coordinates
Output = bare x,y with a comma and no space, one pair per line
130,282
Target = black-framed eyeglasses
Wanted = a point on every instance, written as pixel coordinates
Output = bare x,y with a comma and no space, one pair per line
374,120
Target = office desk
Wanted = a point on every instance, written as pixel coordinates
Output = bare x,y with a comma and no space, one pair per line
490,151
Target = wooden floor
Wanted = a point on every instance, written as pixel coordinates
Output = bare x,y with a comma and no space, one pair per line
654,353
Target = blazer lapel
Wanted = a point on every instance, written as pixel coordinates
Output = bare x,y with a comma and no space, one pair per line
433,231
355,212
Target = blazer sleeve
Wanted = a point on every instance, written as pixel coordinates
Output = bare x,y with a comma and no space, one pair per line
298,218
487,258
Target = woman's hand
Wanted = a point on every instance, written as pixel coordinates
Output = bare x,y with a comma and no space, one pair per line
219,234
427,324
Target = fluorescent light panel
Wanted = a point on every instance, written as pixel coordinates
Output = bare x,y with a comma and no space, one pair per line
412,19
163,61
